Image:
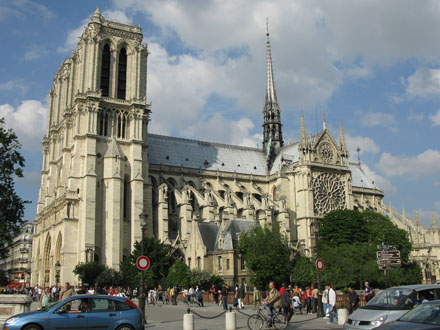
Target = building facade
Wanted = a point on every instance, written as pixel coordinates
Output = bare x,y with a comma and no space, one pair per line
105,178
18,263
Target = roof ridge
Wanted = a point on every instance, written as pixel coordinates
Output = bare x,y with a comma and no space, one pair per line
206,142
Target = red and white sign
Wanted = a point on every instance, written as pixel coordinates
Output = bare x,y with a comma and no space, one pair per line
320,265
143,263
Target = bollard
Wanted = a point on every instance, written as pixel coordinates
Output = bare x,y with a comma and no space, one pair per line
188,322
230,323
342,315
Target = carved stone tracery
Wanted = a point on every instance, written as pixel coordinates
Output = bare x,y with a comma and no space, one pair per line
328,193
326,152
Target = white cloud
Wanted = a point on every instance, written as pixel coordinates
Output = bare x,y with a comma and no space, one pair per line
416,116
365,144
373,119
424,164
425,82
117,15
380,181
14,85
35,52
28,121
435,118
21,8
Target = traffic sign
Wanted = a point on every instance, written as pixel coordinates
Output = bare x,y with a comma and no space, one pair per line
320,265
143,263
388,262
392,254
386,247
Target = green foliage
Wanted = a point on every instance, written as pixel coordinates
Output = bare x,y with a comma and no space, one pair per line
89,272
348,244
3,278
303,271
11,205
160,258
109,277
178,275
267,255
181,276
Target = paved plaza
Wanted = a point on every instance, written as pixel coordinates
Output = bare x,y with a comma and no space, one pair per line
164,317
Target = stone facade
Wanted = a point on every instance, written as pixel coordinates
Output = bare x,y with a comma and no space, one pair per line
105,178
18,263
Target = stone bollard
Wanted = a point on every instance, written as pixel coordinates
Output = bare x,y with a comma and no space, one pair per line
230,323
11,304
342,315
188,321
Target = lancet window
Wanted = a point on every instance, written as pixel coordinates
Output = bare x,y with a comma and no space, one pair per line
105,70
122,74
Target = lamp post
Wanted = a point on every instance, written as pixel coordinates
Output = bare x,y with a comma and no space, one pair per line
320,312
142,279
57,276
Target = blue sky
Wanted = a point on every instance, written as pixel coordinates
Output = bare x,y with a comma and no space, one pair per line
374,64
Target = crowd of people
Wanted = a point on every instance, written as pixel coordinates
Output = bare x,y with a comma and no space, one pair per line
290,299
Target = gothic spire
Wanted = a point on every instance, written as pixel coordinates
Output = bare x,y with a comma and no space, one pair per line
303,134
434,224
342,143
324,122
272,134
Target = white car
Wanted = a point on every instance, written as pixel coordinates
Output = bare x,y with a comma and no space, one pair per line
391,304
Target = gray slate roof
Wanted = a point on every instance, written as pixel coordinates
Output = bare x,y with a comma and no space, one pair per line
208,231
188,153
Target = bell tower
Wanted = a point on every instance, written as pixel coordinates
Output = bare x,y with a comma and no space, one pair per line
94,190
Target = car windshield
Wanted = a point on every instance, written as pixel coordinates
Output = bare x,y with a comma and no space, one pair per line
424,314
44,309
393,298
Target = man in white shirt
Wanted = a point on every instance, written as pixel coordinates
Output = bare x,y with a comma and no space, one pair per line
331,303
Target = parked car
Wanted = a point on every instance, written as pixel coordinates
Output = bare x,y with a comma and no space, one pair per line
390,305
81,312
424,316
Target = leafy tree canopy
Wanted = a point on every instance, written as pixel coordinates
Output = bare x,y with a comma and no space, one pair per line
109,277
267,255
161,260
89,272
348,243
303,271
11,205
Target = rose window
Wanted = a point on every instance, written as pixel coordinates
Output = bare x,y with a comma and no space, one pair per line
326,152
328,193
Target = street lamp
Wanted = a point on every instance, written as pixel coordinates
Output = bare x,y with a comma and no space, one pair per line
142,280
320,312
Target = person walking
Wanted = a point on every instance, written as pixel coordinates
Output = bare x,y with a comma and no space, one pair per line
369,293
256,297
324,301
44,298
286,303
353,300
331,298
241,294
225,297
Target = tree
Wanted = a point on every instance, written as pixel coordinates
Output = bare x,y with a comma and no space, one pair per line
178,275
303,271
3,278
109,277
161,260
348,244
89,272
267,255
11,205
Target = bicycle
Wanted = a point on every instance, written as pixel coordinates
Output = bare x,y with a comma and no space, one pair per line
258,320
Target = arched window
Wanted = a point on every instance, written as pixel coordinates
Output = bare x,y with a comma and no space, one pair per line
122,73
105,70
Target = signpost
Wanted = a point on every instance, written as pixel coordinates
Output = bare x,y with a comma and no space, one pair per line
387,257
143,263
320,265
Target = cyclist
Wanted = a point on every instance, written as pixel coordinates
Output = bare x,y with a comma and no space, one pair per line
272,300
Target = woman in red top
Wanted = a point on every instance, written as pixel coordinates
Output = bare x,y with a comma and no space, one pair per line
309,300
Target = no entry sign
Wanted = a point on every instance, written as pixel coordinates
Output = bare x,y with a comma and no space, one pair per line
320,265
143,263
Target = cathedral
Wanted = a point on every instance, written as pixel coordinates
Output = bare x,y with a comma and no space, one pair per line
105,179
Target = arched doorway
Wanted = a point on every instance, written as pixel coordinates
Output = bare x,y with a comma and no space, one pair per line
46,260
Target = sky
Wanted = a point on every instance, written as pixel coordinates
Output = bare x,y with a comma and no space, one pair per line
373,64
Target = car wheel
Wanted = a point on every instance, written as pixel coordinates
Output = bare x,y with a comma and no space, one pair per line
124,327
32,327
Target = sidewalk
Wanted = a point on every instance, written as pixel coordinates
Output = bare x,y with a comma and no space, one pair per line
171,317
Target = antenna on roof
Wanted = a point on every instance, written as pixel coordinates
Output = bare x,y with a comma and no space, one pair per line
359,155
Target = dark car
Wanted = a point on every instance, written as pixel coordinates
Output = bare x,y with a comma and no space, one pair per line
423,316
81,312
